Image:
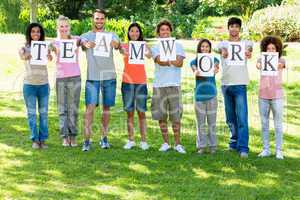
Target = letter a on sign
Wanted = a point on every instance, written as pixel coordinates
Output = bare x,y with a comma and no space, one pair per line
205,64
167,49
67,50
102,47
269,63
39,51
136,52
236,53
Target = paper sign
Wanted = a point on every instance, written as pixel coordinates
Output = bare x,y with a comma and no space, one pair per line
103,47
67,51
39,52
236,54
167,49
136,52
205,64
269,63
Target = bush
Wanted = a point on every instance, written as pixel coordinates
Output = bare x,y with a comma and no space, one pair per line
283,21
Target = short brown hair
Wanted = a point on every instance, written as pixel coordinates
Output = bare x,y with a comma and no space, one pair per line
99,11
271,40
164,22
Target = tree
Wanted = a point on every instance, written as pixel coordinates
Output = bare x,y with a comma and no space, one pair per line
100,4
33,10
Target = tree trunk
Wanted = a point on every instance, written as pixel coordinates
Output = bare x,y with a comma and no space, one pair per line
33,10
100,4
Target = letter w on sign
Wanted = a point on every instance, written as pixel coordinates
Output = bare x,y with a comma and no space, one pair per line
136,52
269,63
236,54
167,49
205,64
39,51
102,47
67,50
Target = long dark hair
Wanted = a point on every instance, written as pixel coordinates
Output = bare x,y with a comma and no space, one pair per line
140,30
28,32
271,40
201,42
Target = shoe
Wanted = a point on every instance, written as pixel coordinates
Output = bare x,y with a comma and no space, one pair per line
164,147
244,155
66,142
231,149
35,145
179,148
201,151
73,142
104,143
129,144
264,153
86,145
144,146
43,145
279,155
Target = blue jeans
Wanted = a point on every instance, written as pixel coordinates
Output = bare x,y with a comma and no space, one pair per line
134,96
235,100
40,94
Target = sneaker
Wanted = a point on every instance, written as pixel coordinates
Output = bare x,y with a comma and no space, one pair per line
179,148
244,155
35,145
73,142
231,149
164,147
104,143
144,145
264,153
86,145
43,145
201,151
129,144
279,155
213,151
66,142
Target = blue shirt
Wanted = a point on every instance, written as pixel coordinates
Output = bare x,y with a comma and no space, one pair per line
166,76
205,86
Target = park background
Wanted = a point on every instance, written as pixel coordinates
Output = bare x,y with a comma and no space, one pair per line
65,173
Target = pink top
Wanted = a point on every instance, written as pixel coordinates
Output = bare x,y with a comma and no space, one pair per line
271,86
65,70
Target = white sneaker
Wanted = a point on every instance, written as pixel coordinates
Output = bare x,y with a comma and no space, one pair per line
164,147
129,144
264,153
279,155
144,146
179,148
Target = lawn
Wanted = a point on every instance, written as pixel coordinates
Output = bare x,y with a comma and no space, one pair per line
65,173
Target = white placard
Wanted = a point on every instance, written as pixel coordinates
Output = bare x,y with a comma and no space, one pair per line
67,51
236,53
167,49
39,52
103,47
205,64
269,63
136,54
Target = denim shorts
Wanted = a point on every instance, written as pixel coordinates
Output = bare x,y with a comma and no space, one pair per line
134,96
108,92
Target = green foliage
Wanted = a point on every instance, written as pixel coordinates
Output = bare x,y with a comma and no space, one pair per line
283,21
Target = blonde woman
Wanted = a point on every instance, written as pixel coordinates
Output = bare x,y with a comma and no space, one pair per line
68,81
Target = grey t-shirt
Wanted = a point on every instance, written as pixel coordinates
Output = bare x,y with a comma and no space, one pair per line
99,68
234,75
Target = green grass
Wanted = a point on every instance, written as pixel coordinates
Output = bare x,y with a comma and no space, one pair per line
65,173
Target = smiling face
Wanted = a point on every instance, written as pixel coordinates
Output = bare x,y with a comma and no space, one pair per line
271,48
134,33
234,30
63,28
164,31
205,48
35,33
99,20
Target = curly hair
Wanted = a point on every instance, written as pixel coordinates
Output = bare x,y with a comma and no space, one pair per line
271,40
164,22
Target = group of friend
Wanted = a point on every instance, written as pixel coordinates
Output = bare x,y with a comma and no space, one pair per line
166,104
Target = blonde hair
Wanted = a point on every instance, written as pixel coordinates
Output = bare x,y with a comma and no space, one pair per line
60,19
